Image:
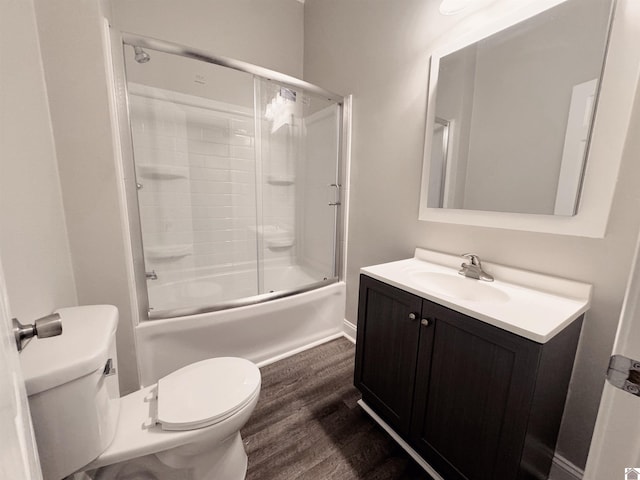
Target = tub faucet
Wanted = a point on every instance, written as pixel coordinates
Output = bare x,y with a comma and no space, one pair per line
152,275
473,269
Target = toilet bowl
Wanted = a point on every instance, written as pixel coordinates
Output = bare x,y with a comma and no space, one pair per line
190,419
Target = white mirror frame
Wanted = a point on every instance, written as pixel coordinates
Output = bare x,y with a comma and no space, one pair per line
609,133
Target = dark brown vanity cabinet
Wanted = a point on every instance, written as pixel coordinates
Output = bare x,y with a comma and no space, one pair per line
387,350
475,401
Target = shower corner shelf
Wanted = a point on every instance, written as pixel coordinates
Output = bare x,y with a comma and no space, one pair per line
280,243
169,252
275,237
281,179
162,172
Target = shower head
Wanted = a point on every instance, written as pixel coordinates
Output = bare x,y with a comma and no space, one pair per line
140,55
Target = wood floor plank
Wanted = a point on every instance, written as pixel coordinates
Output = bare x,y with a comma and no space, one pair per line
308,426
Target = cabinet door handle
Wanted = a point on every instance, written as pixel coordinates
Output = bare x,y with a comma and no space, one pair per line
412,316
425,321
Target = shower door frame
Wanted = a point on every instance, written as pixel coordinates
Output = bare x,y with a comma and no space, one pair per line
123,139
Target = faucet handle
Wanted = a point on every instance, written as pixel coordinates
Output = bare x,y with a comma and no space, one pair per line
473,269
474,259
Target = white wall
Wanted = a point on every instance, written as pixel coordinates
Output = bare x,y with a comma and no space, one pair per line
71,42
33,237
266,33
379,52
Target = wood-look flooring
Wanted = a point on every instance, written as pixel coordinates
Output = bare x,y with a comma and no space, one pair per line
307,424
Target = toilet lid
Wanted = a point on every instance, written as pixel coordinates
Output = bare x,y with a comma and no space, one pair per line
206,392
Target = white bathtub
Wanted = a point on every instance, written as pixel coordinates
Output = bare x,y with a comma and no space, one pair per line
261,333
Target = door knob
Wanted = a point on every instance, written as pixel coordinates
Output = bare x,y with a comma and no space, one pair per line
49,326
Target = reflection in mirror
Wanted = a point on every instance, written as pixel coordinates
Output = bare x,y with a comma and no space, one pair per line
439,161
522,102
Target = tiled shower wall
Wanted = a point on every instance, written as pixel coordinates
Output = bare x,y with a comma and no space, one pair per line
196,164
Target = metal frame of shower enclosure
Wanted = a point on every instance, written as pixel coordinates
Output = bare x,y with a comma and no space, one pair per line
124,140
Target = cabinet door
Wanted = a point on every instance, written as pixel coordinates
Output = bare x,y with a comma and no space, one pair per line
386,350
473,391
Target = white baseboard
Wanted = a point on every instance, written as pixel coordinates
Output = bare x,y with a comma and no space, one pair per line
295,351
349,330
563,469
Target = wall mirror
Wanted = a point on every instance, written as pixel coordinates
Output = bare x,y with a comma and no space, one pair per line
510,112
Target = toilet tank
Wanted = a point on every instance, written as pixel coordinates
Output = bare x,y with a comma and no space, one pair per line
73,389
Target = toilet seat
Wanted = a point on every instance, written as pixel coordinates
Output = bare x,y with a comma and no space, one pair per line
206,392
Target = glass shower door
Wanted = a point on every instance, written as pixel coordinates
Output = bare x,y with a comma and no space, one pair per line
297,159
236,181
193,130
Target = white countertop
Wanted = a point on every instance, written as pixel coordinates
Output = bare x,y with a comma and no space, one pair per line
529,304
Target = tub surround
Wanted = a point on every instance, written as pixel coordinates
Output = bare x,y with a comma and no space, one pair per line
184,146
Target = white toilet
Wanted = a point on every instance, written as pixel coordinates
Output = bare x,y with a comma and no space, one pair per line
190,419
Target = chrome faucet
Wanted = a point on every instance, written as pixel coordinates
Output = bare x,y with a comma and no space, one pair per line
473,269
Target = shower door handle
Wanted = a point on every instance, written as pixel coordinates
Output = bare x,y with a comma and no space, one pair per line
335,198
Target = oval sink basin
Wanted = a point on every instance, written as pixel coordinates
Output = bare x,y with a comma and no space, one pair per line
457,286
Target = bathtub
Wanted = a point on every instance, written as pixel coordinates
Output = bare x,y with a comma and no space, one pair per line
262,333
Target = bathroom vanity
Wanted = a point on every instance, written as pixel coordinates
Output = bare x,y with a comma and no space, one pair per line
470,375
